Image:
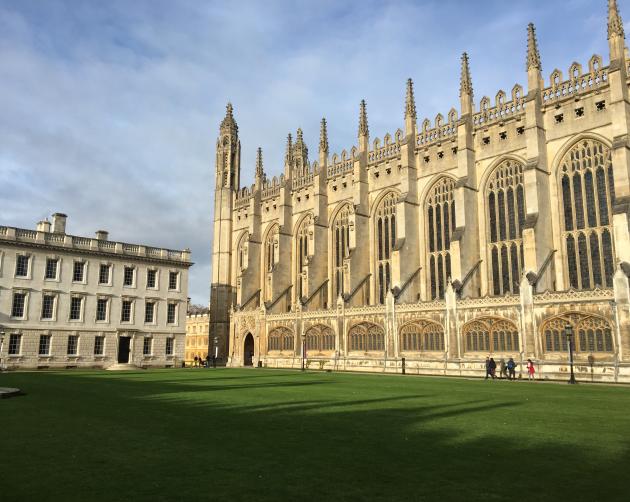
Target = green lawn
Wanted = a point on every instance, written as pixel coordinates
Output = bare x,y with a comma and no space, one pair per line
260,434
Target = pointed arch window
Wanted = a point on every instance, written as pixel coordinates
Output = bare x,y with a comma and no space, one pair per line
269,261
440,213
592,333
422,336
588,193
301,256
366,336
505,221
341,249
280,339
320,338
490,335
385,232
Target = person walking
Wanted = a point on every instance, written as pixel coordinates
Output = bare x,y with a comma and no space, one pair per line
488,368
208,361
493,368
502,369
196,362
530,369
511,366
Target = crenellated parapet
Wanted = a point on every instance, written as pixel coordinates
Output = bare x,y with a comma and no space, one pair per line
578,83
440,130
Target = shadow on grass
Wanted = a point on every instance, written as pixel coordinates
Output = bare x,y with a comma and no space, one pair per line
157,436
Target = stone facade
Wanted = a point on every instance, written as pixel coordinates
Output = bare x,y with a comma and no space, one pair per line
197,331
487,231
68,301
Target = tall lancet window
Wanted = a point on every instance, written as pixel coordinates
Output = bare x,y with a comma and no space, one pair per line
341,249
301,256
241,261
440,213
385,233
270,258
588,192
505,220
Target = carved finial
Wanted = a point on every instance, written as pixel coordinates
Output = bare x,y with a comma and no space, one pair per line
465,83
363,124
323,138
615,24
410,102
260,173
288,156
533,56
228,125
300,136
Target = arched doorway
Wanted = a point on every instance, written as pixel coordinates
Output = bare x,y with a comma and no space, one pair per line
248,350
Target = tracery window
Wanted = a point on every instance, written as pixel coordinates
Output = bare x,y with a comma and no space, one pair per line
320,338
592,333
241,253
385,232
422,336
440,213
301,256
341,249
588,192
506,217
490,334
366,336
280,338
270,258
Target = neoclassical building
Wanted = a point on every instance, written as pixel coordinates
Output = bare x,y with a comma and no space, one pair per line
486,231
68,301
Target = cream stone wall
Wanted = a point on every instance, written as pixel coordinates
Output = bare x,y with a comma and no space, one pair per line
197,331
533,127
44,243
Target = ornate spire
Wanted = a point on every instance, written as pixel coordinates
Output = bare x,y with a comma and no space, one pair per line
410,102
465,83
300,152
260,173
363,123
228,125
288,156
323,137
615,24
533,56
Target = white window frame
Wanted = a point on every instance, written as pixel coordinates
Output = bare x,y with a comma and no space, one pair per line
29,266
26,301
49,353
85,271
101,335
110,268
166,352
82,297
144,341
157,278
134,276
57,271
19,352
132,310
107,309
77,353
155,303
175,321
179,278
55,296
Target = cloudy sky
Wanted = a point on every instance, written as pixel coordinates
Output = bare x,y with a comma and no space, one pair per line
109,110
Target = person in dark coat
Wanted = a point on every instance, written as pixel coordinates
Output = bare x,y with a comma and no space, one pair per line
488,368
208,361
196,362
502,369
511,366
493,367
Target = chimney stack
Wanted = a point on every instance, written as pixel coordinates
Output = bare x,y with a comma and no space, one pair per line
43,226
59,223
102,235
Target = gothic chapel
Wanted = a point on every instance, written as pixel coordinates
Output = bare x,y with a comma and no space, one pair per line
487,231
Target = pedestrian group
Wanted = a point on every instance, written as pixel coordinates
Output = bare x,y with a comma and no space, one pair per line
507,370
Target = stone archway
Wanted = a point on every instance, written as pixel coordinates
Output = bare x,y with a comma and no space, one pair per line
248,350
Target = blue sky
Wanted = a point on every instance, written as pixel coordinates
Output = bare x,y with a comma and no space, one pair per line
109,111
